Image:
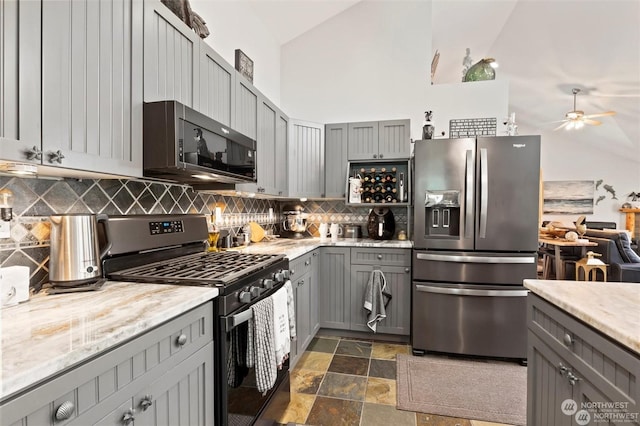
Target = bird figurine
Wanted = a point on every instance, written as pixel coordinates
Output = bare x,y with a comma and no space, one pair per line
581,226
182,9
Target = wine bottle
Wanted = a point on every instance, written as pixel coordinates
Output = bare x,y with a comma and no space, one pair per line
384,169
393,169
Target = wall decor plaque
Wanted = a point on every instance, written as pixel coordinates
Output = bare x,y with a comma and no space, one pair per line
244,65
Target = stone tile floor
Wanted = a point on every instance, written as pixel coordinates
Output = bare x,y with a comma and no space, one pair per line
349,382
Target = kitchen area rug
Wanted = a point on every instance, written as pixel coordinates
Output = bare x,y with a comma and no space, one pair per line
488,390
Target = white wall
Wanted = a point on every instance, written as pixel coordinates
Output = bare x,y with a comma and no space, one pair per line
371,62
233,25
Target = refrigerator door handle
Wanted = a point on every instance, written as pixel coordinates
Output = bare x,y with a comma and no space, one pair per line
484,192
468,203
475,259
470,292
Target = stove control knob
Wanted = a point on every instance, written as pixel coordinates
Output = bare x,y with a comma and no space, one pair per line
286,274
267,283
255,291
244,297
278,277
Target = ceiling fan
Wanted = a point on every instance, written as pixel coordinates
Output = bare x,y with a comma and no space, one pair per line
576,119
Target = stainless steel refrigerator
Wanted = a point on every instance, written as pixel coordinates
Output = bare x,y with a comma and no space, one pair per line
475,240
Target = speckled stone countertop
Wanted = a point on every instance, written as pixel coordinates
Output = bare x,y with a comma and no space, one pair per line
293,248
609,307
48,334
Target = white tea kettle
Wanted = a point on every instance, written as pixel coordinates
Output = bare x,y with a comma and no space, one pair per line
75,254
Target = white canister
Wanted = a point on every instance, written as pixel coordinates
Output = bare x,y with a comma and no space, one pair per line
323,230
355,189
336,232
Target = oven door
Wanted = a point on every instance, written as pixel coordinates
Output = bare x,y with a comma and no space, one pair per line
240,401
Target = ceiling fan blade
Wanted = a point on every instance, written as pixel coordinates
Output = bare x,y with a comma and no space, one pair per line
565,124
592,122
601,114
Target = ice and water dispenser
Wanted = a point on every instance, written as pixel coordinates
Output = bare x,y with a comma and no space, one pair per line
442,213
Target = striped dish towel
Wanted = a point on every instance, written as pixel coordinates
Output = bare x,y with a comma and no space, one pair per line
263,342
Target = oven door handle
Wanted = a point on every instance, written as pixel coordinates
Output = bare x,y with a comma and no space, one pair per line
233,321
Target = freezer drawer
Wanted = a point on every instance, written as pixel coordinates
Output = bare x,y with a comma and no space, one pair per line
473,267
469,319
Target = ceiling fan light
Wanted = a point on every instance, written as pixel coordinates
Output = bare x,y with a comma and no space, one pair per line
579,124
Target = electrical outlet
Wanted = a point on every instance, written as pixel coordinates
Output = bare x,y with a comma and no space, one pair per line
218,213
271,217
5,229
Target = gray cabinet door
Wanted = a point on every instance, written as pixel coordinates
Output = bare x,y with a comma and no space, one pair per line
171,57
306,159
399,308
363,141
20,79
335,171
217,86
282,145
334,288
302,305
246,117
314,297
394,139
92,85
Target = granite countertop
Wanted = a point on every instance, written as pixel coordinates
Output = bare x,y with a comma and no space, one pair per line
293,248
609,307
48,334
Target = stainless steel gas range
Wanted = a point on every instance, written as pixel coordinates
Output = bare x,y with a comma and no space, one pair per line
170,249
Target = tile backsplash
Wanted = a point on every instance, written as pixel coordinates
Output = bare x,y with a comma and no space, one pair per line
36,199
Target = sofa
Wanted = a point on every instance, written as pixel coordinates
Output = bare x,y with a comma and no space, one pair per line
615,248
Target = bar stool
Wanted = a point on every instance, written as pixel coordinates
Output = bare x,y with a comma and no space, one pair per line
590,267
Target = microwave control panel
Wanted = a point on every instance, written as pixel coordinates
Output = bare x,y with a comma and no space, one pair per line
166,227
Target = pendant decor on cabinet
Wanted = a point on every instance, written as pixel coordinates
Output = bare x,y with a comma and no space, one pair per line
244,65
182,9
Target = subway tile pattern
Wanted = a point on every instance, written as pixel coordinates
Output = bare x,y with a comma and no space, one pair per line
37,199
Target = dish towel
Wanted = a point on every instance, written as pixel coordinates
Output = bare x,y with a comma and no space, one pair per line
281,333
292,310
376,299
263,345
237,369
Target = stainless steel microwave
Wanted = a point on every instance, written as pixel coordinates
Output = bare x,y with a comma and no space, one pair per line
185,146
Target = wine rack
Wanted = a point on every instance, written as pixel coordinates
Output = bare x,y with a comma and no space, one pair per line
382,183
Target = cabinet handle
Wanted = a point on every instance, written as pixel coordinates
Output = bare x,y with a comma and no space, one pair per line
573,379
407,270
568,341
293,272
56,157
380,156
379,257
182,339
65,410
128,417
375,156
146,402
307,263
34,153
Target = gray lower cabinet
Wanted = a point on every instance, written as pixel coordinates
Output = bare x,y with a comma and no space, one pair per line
306,159
164,376
92,85
335,153
384,140
304,279
569,360
20,80
334,291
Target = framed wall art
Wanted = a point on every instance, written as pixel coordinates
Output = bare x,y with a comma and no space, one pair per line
244,65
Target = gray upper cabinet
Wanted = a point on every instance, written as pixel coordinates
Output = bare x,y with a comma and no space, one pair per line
306,159
217,86
246,108
171,57
385,140
20,80
335,170
282,145
92,85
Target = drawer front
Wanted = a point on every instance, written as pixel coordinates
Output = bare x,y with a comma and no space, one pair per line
611,368
105,380
380,256
301,265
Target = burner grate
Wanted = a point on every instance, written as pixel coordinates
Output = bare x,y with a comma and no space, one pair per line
205,268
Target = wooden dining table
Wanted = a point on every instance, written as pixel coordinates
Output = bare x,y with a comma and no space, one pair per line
558,244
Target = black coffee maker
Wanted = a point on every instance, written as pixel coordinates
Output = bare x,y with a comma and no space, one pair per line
381,224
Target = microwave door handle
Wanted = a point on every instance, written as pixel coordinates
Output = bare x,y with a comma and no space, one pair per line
468,209
484,192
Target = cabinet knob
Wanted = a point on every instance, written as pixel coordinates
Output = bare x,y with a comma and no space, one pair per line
34,153
65,410
292,272
128,417
56,157
182,339
379,257
380,156
146,402
573,379
568,341
315,254
562,370
375,156
407,270
307,263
